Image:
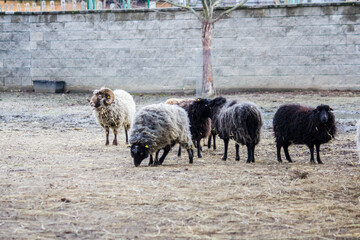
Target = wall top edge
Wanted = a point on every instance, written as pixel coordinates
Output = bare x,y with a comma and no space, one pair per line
175,9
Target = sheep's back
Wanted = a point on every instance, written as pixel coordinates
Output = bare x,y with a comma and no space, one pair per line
240,121
159,125
125,106
290,122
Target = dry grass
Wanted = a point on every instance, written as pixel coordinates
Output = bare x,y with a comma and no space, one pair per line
58,180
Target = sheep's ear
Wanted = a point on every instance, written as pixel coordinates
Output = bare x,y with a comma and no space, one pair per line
315,109
331,109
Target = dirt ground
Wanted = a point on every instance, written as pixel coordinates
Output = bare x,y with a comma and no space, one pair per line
58,180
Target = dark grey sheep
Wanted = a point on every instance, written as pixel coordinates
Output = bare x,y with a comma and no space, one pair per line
156,127
240,122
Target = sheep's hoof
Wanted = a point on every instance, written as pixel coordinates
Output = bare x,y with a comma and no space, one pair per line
279,160
237,159
320,162
223,158
248,161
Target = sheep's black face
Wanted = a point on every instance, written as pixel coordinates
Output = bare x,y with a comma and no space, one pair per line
323,113
202,107
139,153
216,103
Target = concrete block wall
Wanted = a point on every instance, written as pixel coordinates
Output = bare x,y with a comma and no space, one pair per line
273,47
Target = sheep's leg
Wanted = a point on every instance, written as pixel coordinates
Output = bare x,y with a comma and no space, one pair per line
191,155
157,155
197,144
312,160
318,154
126,136
165,153
199,149
107,130
115,137
278,151
214,137
179,152
151,162
249,149
253,153
209,141
226,144
286,151
237,155
156,162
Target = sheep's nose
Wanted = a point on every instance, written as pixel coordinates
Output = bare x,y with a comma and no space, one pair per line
136,163
324,118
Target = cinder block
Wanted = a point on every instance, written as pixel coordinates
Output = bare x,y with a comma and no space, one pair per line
12,82
36,36
16,63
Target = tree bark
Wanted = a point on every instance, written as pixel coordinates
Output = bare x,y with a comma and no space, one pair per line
207,80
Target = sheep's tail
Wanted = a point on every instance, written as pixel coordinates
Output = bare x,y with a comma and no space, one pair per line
254,123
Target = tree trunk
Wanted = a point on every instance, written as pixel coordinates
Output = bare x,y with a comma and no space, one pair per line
207,81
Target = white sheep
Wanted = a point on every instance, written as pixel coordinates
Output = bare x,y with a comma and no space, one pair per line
113,109
156,127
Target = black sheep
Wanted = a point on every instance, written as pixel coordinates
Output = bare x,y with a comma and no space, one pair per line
241,122
199,113
298,124
215,109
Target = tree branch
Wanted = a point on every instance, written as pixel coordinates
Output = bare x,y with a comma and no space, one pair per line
215,2
185,7
206,9
228,11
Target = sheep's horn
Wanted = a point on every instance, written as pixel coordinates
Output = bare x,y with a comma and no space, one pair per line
111,97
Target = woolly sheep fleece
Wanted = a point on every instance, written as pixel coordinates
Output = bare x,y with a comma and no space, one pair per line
160,125
232,122
120,113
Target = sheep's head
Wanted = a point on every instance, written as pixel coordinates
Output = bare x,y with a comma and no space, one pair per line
139,152
323,113
202,107
102,98
216,104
